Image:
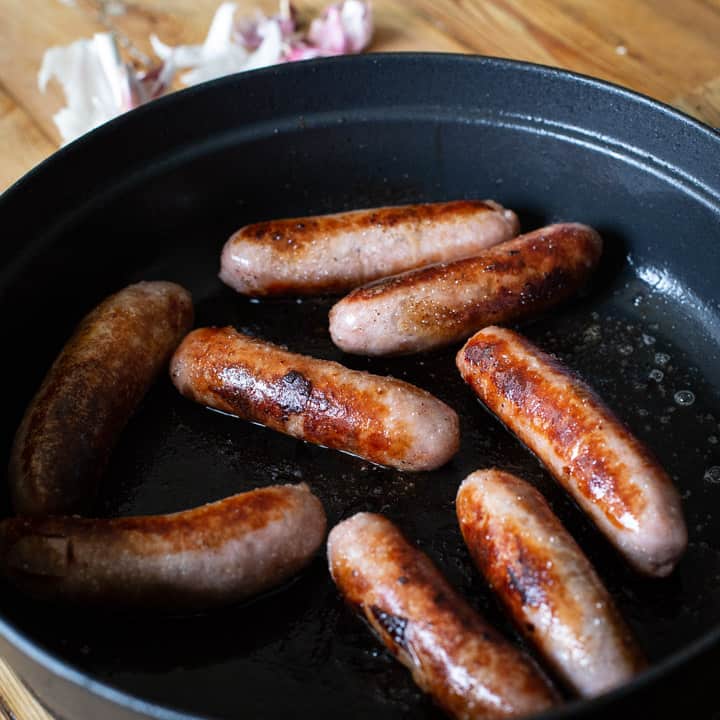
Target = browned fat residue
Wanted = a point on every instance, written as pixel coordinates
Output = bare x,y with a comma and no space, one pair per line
294,235
569,419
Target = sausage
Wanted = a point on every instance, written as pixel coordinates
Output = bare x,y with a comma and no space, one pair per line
382,419
464,664
334,253
446,303
611,474
546,583
209,556
67,434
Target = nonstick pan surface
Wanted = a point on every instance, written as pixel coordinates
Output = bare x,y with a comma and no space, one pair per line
154,195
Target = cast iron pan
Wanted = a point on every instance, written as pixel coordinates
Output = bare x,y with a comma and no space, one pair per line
154,194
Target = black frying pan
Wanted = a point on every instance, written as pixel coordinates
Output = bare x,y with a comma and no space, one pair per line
154,194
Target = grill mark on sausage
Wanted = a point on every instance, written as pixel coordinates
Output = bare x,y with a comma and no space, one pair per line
511,561
528,578
444,642
329,412
294,235
564,422
503,304
338,418
541,575
558,259
195,559
203,528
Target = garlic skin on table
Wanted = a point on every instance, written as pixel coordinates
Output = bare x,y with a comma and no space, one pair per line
99,85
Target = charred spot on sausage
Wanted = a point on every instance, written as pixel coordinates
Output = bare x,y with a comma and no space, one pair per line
479,354
296,391
393,625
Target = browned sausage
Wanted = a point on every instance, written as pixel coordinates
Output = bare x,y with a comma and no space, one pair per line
382,419
610,473
469,669
69,429
446,303
334,253
545,581
211,555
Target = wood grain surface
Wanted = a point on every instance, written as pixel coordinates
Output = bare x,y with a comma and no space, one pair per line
668,49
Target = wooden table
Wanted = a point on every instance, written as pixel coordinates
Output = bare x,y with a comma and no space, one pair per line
668,49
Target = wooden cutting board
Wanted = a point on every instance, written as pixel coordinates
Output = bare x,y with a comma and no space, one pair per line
668,49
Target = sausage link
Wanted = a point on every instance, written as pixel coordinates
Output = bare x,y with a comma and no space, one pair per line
608,471
334,253
67,434
446,303
548,586
465,665
382,419
197,559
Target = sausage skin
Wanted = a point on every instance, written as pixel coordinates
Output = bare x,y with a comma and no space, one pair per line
441,304
608,471
546,583
334,253
209,556
470,670
382,419
67,434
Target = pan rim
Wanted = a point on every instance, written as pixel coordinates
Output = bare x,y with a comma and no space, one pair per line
64,669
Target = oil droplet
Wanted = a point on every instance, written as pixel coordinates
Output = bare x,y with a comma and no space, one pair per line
685,397
713,440
662,359
592,334
712,475
648,339
656,375
625,349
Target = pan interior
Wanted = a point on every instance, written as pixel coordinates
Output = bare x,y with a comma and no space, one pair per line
646,330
